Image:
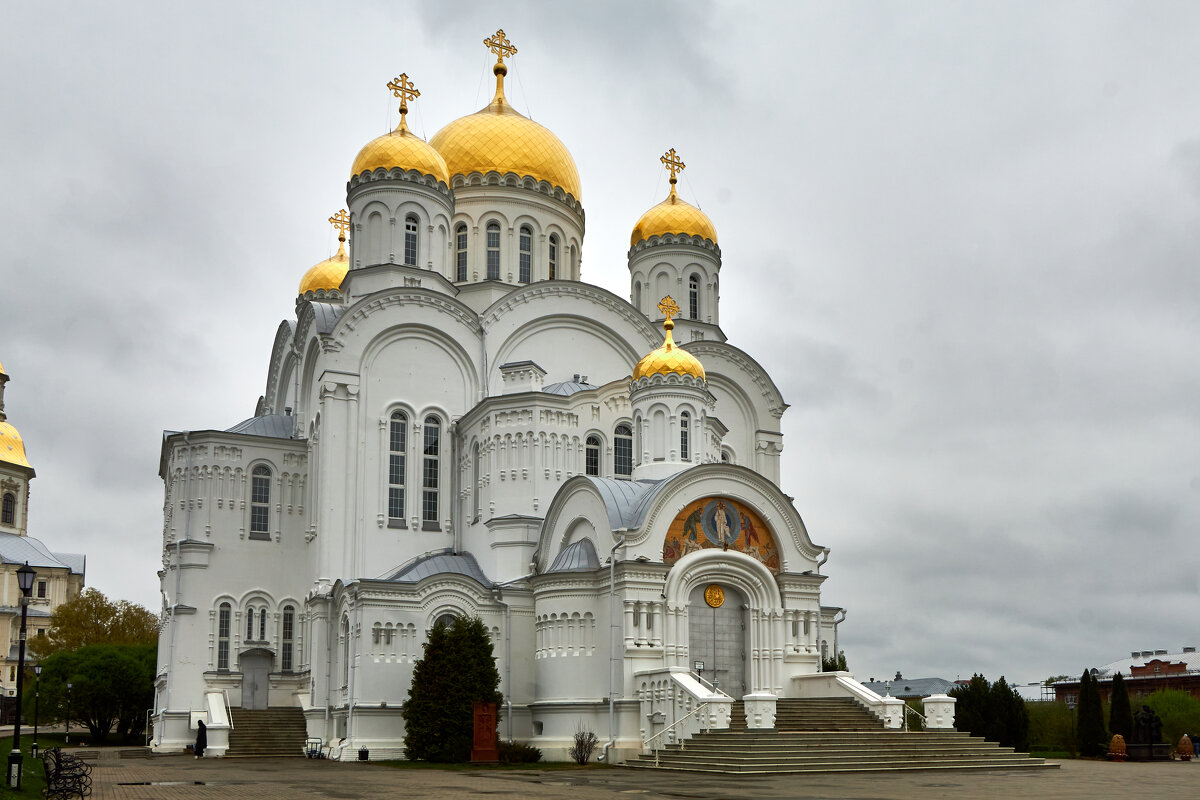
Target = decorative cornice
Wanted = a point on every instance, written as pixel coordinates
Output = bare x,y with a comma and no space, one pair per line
511,180
427,182
284,336
770,392
586,291
675,240
401,296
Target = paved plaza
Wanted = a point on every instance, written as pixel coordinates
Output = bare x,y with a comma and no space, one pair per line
184,778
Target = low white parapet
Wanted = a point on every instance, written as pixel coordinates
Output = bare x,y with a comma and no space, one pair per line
671,701
893,712
217,724
939,712
842,684
760,711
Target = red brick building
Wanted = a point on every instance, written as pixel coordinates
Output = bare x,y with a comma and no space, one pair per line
1145,672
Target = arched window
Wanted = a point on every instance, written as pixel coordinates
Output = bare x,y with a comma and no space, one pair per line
260,502
223,614
685,420
552,262
637,295
289,634
591,464
376,633
526,247
694,297
493,251
397,448
623,451
262,624
444,620
460,252
410,240
725,459
429,484
345,652
477,479
8,514
250,624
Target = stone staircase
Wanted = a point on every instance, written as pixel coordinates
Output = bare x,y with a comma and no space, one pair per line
266,733
830,735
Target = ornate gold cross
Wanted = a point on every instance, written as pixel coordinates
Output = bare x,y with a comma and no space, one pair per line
669,307
341,221
403,88
673,163
501,46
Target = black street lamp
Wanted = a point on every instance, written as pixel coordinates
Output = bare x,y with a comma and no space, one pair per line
37,692
25,576
67,738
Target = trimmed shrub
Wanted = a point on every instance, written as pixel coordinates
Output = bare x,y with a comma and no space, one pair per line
517,753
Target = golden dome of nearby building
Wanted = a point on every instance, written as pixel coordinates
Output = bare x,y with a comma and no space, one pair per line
670,359
329,274
673,215
401,148
12,449
497,138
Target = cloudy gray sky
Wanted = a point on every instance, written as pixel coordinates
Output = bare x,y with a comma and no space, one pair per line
963,238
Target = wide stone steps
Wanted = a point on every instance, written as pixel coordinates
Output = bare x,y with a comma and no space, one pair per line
268,732
831,735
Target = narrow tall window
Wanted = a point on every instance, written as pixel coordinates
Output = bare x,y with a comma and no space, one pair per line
250,624
9,513
410,241
345,652
260,502
432,448
526,253
476,480
591,464
623,451
41,590
553,256
460,252
262,624
694,297
223,615
289,634
397,448
685,420
493,251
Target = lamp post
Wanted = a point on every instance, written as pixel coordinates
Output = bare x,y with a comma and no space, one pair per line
1071,709
37,693
67,738
25,576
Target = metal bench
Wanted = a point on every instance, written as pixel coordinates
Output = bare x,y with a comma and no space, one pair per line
66,775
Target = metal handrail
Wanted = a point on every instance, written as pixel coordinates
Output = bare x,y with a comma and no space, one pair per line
910,710
671,727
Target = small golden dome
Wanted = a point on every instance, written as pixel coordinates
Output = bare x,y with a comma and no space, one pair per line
401,148
12,449
673,216
498,138
329,274
670,358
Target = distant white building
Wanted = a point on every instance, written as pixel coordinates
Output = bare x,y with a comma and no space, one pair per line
59,575
456,424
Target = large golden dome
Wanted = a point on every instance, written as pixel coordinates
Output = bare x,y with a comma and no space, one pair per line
673,216
670,359
12,449
497,138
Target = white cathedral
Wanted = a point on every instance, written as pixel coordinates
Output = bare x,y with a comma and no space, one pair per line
456,424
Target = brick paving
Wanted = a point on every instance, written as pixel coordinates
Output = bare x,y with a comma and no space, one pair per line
184,778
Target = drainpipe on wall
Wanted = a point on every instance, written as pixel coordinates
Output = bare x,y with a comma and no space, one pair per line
820,652
838,618
612,646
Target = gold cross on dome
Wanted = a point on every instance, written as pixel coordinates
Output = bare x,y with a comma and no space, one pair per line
669,307
341,221
673,163
403,88
501,46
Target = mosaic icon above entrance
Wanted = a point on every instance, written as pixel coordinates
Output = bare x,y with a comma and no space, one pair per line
724,523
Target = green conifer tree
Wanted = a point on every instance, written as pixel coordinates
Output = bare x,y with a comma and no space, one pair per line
457,670
1091,733
1120,716
1010,717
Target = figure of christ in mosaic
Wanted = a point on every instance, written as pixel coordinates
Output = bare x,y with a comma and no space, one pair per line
723,523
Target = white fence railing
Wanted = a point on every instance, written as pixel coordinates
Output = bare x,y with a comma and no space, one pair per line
675,706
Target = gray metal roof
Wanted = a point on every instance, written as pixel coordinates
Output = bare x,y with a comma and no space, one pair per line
277,426
16,549
911,687
576,557
626,501
444,563
76,561
326,315
567,388
1126,665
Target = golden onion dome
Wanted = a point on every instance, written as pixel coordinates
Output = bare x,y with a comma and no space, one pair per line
12,449
673,215
401,148
329,274
670,359
498,138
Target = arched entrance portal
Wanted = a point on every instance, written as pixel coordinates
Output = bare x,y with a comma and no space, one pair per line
256,670
717,635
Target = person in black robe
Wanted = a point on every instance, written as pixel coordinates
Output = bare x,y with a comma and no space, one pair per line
201,738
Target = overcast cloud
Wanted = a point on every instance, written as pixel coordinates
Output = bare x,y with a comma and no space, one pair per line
962,237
